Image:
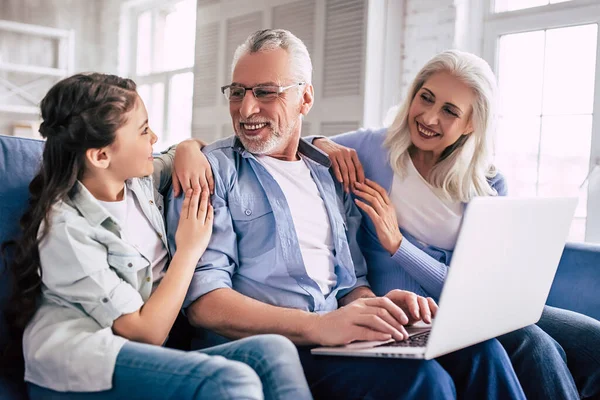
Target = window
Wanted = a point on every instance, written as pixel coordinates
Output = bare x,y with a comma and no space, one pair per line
161,61
547,71
512,5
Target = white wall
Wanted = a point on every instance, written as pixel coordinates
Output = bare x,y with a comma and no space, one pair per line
432,26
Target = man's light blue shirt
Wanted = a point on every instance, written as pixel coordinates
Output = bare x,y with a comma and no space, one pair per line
254,248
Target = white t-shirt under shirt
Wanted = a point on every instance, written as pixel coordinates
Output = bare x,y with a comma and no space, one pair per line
421,212
310,217
138,231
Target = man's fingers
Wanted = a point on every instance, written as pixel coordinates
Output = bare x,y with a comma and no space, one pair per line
377,324
388,318
366,334
424,308
383,302
412,305
432,306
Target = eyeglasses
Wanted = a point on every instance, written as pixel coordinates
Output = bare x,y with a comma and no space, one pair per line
262,93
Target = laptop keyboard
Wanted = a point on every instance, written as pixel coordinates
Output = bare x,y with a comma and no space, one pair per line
418,340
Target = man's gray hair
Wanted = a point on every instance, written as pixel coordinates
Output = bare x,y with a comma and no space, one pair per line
271,39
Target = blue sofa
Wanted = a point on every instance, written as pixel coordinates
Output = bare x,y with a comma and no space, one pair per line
574,287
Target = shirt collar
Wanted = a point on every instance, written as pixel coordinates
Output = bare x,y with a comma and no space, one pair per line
304,147
89,207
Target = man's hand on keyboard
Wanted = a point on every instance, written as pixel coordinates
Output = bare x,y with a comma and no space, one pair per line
417,308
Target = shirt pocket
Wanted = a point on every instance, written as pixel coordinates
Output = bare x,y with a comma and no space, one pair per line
127,263
254,224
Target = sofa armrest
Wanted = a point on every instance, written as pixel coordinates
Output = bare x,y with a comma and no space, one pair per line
578,280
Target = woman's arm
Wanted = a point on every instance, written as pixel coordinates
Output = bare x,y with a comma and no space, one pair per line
343,151
428,272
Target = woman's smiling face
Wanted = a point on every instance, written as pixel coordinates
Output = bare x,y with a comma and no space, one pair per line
440,113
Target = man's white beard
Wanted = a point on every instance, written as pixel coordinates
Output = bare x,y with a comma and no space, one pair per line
259,146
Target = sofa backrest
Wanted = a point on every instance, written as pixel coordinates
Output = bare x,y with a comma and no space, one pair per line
577,280
19,162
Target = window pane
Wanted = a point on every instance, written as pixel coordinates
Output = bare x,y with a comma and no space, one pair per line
180,107
143,59
564,157
577,231
180,35
555,88
512,5
574,95
517,150
156,113
144,92
521,82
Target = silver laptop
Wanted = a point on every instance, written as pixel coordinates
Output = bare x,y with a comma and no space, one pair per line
505,259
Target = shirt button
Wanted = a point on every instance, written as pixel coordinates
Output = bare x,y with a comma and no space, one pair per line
148,279
248,212
151,202
105,300
160,208
130,265
160,235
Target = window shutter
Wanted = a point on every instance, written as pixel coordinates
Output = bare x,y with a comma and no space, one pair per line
343,50
205,68
298,18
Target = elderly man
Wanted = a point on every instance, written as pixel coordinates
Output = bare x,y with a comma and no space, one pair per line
283,256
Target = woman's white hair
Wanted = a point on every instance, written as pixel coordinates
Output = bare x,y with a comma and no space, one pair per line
463,168
271,39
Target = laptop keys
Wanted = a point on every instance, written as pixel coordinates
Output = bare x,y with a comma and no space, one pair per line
418,340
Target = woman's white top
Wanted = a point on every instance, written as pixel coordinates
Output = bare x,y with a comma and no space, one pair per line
422,212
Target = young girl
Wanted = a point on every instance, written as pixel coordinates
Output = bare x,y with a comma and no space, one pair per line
93,287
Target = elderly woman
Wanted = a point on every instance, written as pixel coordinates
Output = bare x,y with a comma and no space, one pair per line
420,173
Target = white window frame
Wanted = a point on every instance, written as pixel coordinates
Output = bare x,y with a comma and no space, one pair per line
130,12
575,12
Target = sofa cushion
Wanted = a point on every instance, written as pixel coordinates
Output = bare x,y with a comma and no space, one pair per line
19,162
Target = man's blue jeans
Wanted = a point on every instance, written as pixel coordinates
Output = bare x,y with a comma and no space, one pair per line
557,358
482,371
264,366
